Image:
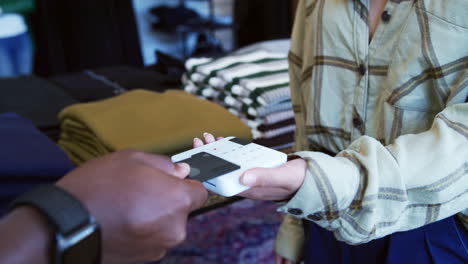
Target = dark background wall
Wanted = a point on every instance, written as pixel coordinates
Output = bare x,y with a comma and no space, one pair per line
74,35
258,20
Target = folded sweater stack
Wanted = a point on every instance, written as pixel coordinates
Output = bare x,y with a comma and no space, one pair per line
162,123
28,158
252,85
36,99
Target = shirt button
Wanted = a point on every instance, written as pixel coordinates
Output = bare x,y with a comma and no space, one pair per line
315,217
386,16
362,69
295,211
357,123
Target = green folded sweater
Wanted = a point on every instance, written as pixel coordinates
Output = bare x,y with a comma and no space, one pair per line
163,123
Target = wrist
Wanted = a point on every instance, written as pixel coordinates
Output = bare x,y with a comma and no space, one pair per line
76,235
26,237
297,167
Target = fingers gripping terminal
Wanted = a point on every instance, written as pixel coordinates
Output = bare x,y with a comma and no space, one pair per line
219,165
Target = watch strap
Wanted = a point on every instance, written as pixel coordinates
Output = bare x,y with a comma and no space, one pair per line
62,209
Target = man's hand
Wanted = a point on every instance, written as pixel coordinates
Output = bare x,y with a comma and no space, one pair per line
140,200
275,184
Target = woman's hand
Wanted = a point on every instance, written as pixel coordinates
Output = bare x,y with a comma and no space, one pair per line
275,184
268,184
209,138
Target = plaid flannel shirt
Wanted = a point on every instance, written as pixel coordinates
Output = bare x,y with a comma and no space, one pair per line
394,110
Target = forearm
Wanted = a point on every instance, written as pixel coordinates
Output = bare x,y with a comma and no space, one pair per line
370,190
25,237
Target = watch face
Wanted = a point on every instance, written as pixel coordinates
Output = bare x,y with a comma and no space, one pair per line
86,251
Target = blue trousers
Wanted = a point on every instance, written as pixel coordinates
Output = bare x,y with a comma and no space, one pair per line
16,56
445,241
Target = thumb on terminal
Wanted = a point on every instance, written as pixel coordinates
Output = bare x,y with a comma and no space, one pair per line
261,177
290,175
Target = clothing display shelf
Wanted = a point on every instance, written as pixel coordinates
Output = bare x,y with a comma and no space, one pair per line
207,26
212,23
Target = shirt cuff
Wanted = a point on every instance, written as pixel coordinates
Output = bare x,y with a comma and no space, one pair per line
329,186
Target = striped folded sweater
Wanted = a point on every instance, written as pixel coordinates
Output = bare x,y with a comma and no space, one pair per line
254,86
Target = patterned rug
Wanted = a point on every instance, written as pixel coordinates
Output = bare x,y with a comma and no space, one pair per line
242,233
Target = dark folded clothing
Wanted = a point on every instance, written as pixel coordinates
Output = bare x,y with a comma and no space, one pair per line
103,83
53,133
277,125
27,154
169,18
36,99
276,141
132,78
82,87
10,191
170,67
3,208
288,147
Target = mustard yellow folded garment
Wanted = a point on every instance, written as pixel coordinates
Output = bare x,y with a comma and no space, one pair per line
163,123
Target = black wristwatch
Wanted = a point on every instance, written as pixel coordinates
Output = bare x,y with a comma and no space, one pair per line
77,235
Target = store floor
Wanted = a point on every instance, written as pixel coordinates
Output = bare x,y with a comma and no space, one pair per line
243,233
